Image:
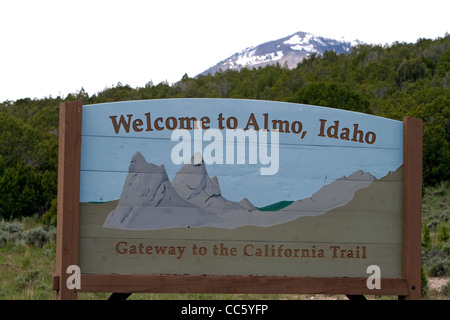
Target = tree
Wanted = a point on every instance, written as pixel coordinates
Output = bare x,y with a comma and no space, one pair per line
21,192
333,95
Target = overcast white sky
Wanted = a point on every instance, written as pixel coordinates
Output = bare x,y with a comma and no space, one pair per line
55,47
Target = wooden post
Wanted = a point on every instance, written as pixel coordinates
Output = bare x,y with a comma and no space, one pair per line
412,206
68,196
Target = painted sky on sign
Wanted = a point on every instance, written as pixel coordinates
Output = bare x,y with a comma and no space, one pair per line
305,165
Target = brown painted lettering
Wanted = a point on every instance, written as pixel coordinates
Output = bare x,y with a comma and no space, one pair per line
280,125
121,247
157,126
122,122
188,123
205,121
171,123
252,122
149,122
136,125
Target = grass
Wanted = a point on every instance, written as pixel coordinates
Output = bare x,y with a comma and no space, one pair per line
27,260
436,231
26,271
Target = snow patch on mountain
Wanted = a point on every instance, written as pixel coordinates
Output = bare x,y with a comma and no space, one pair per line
250,58
287,51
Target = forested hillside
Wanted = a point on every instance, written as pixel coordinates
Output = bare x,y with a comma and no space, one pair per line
389,81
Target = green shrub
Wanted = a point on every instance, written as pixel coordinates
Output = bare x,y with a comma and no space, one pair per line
445,290
24,280
426,238
11,227
50,216
436,263
443,233
446,249
424,280
39,236
10,232
3,239
14,233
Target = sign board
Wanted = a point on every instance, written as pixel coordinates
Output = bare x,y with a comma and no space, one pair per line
223,195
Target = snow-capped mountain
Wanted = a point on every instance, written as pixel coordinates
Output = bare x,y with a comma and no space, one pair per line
289,51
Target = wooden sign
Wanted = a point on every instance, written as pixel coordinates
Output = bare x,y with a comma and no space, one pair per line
222,195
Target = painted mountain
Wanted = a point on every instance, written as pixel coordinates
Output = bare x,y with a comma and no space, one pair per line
194,185
289,51
149,201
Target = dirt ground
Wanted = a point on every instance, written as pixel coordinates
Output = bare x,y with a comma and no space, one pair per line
437,283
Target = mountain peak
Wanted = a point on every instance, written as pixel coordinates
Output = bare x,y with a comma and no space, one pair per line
360,175
139,164
195,166
287,51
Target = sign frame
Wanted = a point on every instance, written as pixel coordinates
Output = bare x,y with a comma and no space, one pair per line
122,285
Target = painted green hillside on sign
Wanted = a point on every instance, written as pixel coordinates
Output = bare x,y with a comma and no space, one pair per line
276,206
